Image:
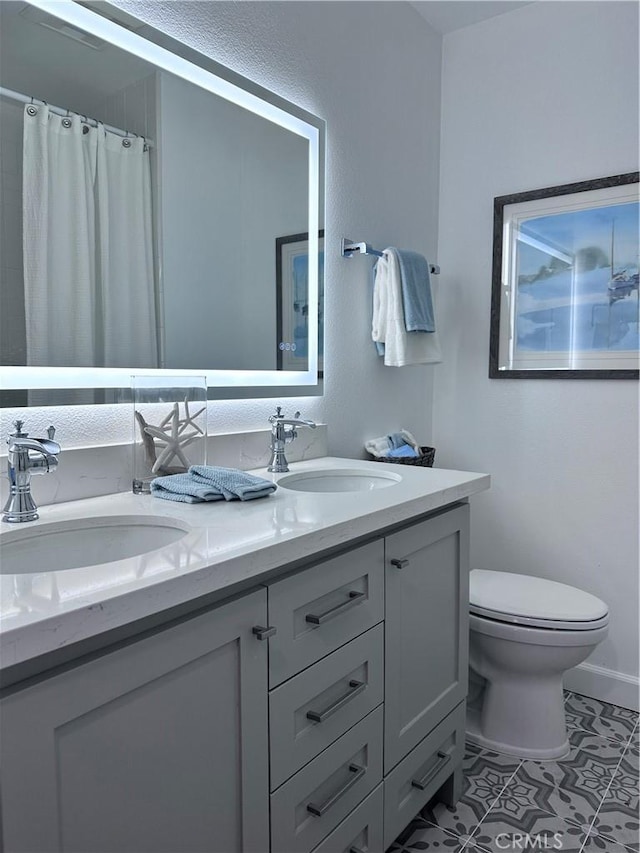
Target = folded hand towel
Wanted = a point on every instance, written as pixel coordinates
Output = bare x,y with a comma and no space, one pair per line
208,483
234,483
396,439
410,440
378,446
388,326
416,291
404,451
185,489
387,445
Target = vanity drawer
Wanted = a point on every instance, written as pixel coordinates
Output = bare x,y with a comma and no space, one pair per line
362,830
313,802
416,779
315,707
318,610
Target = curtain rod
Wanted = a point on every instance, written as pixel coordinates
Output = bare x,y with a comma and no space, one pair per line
27,99
349,249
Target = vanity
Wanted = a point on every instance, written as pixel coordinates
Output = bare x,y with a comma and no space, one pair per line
289,674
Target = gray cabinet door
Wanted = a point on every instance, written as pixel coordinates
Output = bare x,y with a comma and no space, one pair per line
426,628
156,747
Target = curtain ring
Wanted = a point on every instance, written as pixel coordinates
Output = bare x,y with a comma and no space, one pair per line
126,143
66,123
31,110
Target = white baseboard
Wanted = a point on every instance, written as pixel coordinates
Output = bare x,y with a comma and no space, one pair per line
605,684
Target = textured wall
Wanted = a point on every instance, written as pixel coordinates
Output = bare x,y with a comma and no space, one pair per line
545,95
372,71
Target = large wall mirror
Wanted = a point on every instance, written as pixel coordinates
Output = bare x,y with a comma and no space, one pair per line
149,194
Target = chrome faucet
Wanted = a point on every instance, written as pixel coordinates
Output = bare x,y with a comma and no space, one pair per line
20,506
283,431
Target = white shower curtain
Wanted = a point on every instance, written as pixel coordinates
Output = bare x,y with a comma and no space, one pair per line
88,262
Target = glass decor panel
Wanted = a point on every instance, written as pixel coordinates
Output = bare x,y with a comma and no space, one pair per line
169,427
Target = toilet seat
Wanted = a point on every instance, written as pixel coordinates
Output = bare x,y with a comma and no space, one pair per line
536,602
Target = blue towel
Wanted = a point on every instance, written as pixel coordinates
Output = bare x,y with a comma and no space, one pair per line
208,483
396,439
404,451
416,291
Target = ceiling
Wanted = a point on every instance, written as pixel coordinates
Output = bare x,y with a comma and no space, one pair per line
447,15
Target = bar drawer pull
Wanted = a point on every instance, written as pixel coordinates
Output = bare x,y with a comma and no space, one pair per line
355,687
263,633
354,598
319,811
400,564
421,784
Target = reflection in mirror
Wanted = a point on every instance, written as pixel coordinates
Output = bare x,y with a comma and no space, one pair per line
147,212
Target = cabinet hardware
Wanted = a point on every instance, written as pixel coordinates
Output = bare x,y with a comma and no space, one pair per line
355,687
322,809
263,633
421,784
354,598
400,564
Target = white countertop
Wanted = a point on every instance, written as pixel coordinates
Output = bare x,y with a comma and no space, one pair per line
229,547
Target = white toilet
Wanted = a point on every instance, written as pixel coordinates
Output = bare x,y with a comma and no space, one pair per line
525,633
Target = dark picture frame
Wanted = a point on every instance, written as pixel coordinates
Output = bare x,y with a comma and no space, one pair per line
564,300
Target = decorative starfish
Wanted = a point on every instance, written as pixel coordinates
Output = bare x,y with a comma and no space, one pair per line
174,440
190,419
147,440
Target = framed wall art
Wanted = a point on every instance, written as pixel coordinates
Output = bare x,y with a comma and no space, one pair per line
565,282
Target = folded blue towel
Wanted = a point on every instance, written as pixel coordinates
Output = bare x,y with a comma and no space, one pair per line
405,451
396,439
416,291
208,483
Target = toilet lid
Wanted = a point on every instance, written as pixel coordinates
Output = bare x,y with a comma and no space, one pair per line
526,600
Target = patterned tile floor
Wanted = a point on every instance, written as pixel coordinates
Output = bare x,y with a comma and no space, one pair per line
585,803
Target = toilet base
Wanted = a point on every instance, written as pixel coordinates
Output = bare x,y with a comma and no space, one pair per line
475,736
522,701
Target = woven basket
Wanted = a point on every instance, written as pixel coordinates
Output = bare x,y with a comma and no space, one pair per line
427,455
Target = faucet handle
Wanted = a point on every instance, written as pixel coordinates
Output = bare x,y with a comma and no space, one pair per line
18,433
51,431
275,419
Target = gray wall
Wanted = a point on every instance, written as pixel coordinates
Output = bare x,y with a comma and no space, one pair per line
545,95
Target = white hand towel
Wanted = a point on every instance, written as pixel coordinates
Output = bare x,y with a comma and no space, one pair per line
388,327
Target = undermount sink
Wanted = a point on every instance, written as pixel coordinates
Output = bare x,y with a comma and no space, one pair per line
84,542
338,481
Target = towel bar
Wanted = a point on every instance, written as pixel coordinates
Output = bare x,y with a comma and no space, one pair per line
348,249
